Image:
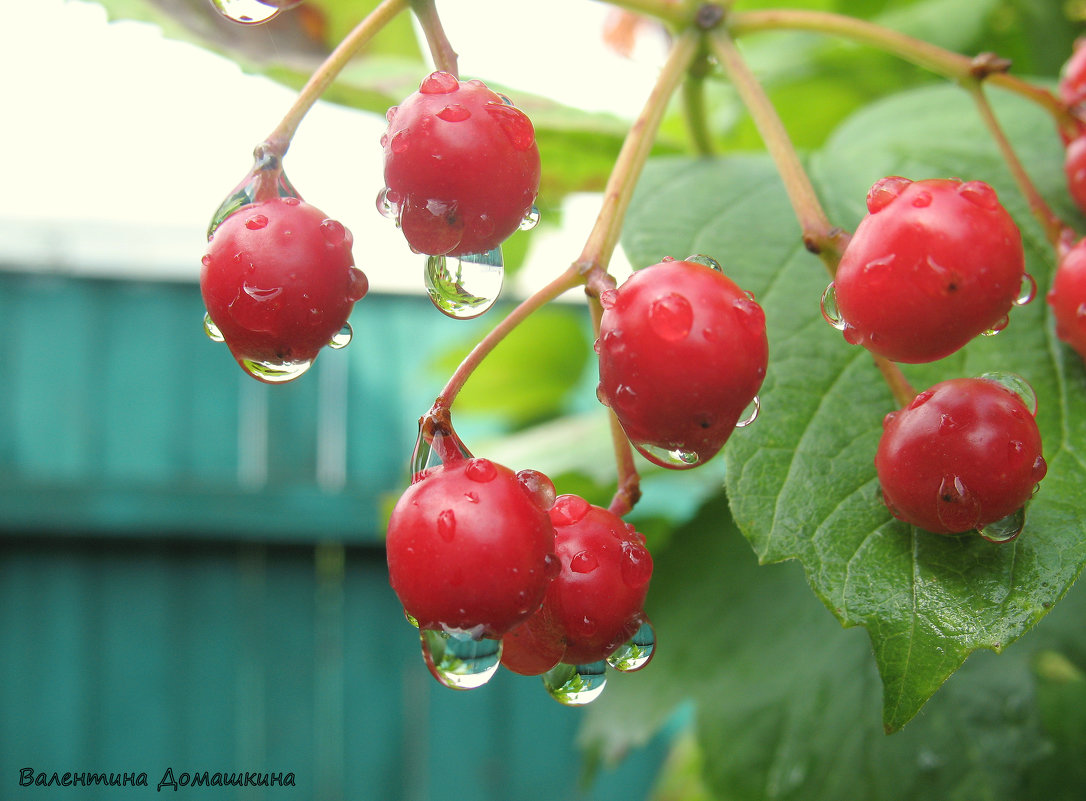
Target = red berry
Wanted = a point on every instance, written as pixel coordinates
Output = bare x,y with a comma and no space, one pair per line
595,604
932,265
279,282
1067,297
470,548
1072,86
964,454
461,167
682,353
1074,167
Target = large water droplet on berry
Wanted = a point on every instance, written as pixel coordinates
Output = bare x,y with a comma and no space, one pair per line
1028,290
957,507
454,112
246,12
636,652
432,443
342,338
388,204
256,222
922,200
531,219
481,470
212,330
1006,529
576,685
583,562
539,488
245,193
458,660
467,289
514,124
830,313
569,509
979,193
673,458
670,317
439,83
446,525
750,414
705,261
275,372
884,192
636,566
359,285
1016,384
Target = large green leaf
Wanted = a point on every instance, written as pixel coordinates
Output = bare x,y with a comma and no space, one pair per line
801,480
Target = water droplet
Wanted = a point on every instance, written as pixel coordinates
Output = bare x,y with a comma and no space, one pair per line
335,233
948,424
505,99
957,507
342,338
671,317
459,661
921,399
674,458
999,326
576,685
1028,290
246,12
569,509
884,192
636,565
212,330
245,192
468,290
1040,468
531,219
481,470
358,286
414,621
275,372
1006,529
433,441
750,414
1016,384
608,298
256,222
636,652
439,83
539,488
514,124
388,203
583,562
750,313
446,525
705,261
922,200
454,113
979,193
400,141
830,313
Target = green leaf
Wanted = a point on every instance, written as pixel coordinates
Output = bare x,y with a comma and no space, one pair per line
801,480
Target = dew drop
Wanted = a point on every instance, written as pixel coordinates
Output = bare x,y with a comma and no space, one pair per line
481,470
388,203
569,509
920,399
439,83
539,488
1006,529
342,338
400,141
705,261
256,222
751,314
212,330
275,372
922,200
514,124
358,285
446,525
884,192
459,661
608,298
576,685
636,565
583,562
750,414
431,444
469,289
999,326
334,232
979,193
244,194
636,652
245,12
957,507
671,317
1016,384
414,621
673,458
1040,468
531,219
1028,290
454,113
830,313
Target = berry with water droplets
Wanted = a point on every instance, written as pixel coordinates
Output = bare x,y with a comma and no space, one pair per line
682,354
1074,168
470,547
933,264
595,604
963,454
1072,85
1067,297
461,167
279,283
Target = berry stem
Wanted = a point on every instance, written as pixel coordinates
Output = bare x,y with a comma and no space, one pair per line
694,106
900,387
924,54
441,50
819,235
1053,226
279,140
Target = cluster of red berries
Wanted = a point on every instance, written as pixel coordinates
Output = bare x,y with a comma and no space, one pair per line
934,264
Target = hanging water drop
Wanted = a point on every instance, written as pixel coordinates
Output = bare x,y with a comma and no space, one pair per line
459,661
830,313
212,330
469,289
750,414
245,192
531,219
1006,529
341,338
675,458
576,685
245,12
995,329
275,372
414,621
538,487
1028,290
636,652
434,439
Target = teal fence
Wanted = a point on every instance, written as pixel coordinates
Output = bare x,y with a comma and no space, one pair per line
191,572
